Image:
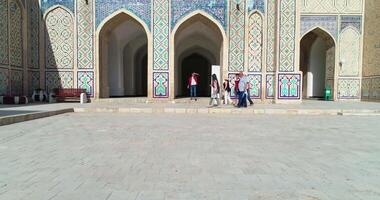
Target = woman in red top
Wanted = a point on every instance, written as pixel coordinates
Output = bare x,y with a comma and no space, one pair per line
192,84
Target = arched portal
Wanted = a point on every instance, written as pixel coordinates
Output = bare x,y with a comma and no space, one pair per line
317,61
198,44
123,57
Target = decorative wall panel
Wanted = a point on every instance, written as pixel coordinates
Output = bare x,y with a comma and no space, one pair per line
353,21
4,51
270,86
328,23
141,8
216,8
160,84
289,86
256,5
33,81
350,52
46,4
288,35
237,36
271,38
59,80
161,31
331,6
4,81
85,34
34,23
15,34
255,81
86,81
255,43
349,89
16,82
59,40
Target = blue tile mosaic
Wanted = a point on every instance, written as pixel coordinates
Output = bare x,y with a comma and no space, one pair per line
46,4
256,5
141,8
354,21
216,8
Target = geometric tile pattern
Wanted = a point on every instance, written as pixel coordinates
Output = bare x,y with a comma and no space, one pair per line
161,31
16,82
349,89
271,36
332,6
255,43
34,81
34,23
160,84
141,8
287,33
354,21
216,8
4,54
85,34
256,5
350,52
4,81
86,81
15,34
270,86
46,4
59,80
328,23
59,40
289,86
255,81
237,36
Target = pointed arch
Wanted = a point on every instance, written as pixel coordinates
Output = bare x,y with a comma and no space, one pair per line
349,51
121,12
321,31
256,41
183,23
107,25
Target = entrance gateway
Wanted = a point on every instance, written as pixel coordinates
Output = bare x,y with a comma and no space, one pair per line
147,48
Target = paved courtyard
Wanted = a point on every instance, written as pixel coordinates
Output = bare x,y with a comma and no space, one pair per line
93,156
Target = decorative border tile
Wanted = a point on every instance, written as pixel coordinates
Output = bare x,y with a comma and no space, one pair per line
160,85
289,86
86,81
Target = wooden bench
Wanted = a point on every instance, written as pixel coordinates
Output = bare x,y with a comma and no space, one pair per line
68,94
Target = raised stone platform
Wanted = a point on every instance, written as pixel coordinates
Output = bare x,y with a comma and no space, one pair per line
14,114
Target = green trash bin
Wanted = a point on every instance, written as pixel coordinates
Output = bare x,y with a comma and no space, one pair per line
328,94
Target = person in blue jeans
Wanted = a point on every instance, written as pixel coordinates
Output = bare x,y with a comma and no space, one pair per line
242,93
192,84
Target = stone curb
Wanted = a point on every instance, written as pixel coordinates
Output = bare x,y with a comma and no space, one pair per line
6,120
335,112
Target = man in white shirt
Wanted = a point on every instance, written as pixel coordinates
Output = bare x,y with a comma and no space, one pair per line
242,93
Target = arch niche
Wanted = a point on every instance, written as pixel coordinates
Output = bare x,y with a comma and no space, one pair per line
123,64
198,42
317,61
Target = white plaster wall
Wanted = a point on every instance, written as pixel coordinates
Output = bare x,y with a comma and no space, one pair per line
124,41
317,69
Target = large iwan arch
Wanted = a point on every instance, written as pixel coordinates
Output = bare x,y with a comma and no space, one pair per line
318,62
123,64
198,41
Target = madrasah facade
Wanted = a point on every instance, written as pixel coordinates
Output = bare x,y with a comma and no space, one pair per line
289,49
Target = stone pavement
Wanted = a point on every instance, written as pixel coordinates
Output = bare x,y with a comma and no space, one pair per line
112,156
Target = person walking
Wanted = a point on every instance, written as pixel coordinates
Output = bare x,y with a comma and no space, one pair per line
236,89
249,87
215,90
227,91
242,90
192,84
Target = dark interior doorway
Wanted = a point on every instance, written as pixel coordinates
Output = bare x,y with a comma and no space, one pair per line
199,64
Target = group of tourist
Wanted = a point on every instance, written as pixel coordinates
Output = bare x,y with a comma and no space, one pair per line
241,89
